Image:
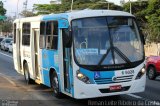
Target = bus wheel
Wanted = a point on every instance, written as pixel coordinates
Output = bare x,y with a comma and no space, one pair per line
55,85
151,73
27,75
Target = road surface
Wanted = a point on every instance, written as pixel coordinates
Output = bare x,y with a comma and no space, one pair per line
15,92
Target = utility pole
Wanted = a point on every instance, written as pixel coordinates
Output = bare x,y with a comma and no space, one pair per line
108,5
72,5
107,2
130,3
25,4
17,15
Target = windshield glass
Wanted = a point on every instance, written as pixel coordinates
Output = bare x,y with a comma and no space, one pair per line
8,40
106,41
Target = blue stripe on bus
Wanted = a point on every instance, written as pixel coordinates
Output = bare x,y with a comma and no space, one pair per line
45,75
55,16
48,61
102,74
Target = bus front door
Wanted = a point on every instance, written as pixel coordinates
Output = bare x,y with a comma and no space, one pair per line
17,50
36,68
67,69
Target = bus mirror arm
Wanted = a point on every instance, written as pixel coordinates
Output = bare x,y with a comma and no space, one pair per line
143,37
142,34
70,39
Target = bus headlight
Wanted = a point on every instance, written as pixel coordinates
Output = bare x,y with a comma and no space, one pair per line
83,78
141,73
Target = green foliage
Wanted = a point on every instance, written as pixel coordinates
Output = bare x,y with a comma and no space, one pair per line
153,18
2,10
78,5
27,13
49,8
148,16
146,12
137,9
6,26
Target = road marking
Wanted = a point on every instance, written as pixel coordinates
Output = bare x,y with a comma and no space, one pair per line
135,96
8,87
6,55
5,77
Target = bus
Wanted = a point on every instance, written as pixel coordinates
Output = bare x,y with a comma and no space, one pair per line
82,54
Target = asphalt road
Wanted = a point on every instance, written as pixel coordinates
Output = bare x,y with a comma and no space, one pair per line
15,92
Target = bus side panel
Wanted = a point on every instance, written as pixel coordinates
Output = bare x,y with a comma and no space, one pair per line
49,60
26,56
16,49
40,65
15,57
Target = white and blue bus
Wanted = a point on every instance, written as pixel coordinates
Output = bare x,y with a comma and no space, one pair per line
83,54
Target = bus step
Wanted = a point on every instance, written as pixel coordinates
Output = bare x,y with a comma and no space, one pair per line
38,81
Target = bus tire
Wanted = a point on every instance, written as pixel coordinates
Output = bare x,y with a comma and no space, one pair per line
55,85
151,73
27,75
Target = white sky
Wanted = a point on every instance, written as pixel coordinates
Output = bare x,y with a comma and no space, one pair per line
11,5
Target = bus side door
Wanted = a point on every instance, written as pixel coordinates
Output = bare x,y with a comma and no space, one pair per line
17,50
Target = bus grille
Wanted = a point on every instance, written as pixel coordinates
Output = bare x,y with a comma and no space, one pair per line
118,79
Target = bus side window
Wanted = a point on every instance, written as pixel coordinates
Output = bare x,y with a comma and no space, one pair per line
48,34
42,35
14,27
52,35
55,35
26,34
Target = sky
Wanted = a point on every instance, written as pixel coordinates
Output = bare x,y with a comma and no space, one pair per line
11,5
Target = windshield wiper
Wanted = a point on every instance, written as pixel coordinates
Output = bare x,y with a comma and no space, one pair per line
118,52
124,57
104,56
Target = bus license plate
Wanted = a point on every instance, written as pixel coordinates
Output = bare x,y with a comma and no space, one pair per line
115,87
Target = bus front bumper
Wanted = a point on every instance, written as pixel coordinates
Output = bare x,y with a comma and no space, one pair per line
82,90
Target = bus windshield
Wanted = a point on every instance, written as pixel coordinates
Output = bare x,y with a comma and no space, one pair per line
106,41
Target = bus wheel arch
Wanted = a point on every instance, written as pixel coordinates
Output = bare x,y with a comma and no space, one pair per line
26,73
54,82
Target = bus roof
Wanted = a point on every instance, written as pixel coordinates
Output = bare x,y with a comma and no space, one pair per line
86,13
75,15
28,19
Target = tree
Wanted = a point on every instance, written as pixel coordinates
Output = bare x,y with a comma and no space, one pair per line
26,13
2,13
147,14
2,10
138,9
7,25
78,5
153,18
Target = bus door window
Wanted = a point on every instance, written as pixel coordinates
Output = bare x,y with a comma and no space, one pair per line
52,35
26,34
66,61
42,35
